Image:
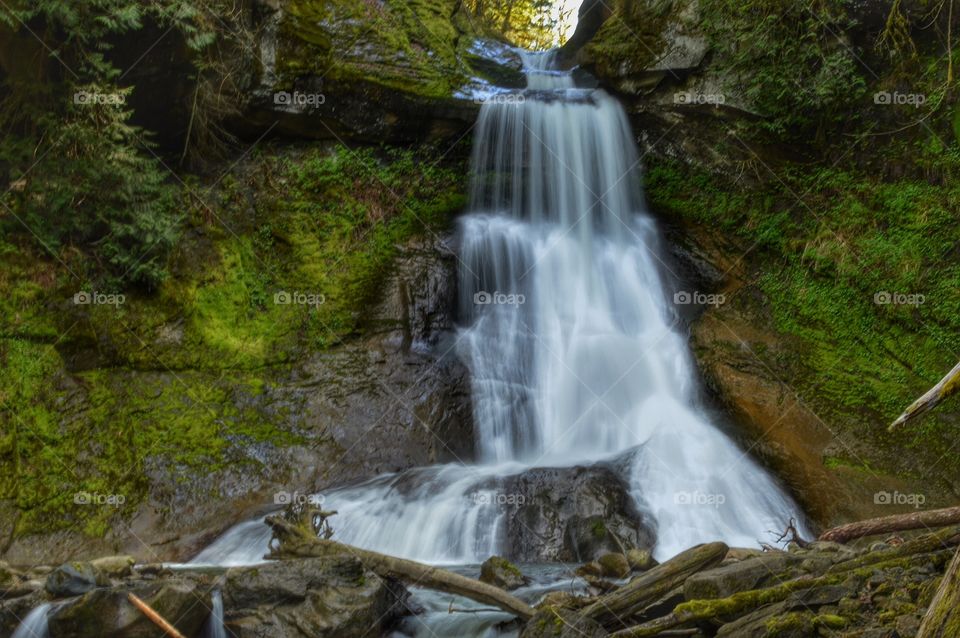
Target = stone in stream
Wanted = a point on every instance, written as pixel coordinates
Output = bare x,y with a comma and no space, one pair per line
74,579
500,572
333,597
553,622
114,566
572,514
182,601
641,560
614,565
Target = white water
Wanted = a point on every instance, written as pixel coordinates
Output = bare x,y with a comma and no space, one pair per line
591,365
35,625
215,627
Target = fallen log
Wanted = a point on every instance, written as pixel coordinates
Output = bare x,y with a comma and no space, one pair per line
941,539
745,602
948,385
896,523
942,619
611,609
154,617
300,541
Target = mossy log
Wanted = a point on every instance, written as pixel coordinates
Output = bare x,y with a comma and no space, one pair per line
610,610
943,616
949,385
922,549
896,523
298,540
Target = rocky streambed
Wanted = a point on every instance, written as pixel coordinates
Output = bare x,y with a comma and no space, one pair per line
879,589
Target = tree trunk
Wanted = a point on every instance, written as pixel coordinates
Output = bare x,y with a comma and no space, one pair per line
949,385
611,609
895,523
943,617
300,541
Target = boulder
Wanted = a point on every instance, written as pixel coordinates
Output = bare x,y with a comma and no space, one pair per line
74,579
182,601
114,566
322,597
641,560
614,565
500,572
573,514
554,622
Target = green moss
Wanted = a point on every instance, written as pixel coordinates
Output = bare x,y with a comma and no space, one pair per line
825,267
170,382
409,45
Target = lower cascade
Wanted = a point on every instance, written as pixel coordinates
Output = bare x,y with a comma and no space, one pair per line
575,354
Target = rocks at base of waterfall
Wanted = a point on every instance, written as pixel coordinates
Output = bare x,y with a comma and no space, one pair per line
572,514
641,560
553,622
14,610
500,572
74,579
751,573
333,596
184,602
613,565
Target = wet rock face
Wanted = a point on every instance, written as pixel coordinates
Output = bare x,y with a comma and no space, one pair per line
571,515
108,612
395,399
324,597
500,572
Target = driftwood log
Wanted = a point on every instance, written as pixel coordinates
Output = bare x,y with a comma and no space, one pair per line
928,519
949,385
299,540
613,609
742,603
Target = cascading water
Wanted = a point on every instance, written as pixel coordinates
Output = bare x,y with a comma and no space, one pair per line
35,625
572,347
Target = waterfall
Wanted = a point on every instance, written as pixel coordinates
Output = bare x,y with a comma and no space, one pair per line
574,352
35,625
215,627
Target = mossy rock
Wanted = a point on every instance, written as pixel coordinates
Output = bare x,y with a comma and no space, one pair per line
500,572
